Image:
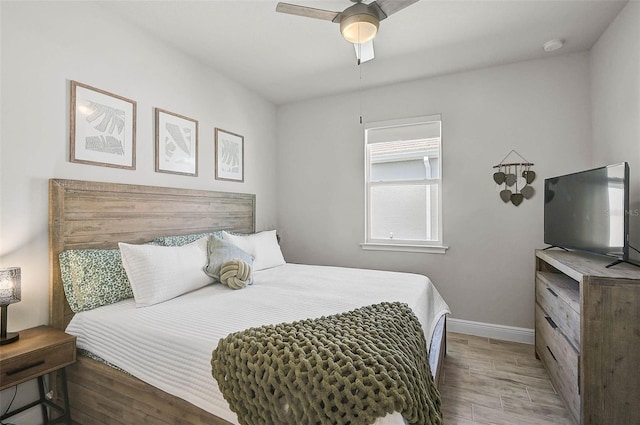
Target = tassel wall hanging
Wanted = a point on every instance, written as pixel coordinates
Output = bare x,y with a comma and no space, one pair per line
516,178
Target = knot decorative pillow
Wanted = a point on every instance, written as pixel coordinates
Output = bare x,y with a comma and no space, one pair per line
220,252
235,274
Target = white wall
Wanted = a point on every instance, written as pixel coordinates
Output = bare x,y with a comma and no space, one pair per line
615,99
540,108
44,46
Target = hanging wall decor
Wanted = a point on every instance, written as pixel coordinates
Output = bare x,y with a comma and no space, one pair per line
516,177
103,128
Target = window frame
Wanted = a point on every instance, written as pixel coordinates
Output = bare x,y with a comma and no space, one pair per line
435,246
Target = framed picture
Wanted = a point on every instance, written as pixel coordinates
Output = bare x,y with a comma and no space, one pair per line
103,128
229,156
176,144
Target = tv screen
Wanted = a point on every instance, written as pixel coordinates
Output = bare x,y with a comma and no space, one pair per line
587,211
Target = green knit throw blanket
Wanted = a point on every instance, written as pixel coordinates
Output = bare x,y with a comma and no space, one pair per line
349,368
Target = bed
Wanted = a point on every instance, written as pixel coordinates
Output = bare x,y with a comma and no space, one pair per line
99,215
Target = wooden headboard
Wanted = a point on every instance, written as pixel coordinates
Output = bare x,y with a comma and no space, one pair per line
86,214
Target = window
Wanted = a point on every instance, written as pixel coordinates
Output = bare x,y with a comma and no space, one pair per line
403,169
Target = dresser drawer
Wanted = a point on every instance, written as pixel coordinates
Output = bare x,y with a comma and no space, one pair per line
559,297
561,360
25,367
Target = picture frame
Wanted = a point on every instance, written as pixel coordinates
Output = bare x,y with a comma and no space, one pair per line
102,128
176,143
229,156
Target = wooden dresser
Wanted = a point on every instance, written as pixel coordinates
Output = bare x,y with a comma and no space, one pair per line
587,330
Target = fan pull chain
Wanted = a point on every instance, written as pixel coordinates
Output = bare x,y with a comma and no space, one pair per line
360,77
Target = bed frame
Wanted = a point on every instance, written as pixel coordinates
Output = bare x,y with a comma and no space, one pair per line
86,215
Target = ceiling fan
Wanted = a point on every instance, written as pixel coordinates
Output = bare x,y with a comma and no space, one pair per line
358,23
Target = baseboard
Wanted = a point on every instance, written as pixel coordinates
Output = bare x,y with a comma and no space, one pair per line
490,330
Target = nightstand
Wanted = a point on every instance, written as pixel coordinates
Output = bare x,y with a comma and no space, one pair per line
39,351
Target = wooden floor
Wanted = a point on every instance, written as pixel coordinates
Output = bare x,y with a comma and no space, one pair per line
486,381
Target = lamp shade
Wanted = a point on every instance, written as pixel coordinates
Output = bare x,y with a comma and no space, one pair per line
9,285
359,28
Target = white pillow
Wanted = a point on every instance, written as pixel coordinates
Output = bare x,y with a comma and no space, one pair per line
159,273
263,246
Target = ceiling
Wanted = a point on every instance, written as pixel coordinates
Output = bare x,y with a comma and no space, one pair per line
287,58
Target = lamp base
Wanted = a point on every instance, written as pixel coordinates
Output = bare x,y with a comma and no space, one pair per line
11,337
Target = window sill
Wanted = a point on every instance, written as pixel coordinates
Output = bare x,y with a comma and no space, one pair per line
427,249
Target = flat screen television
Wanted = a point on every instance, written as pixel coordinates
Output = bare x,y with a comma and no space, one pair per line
587,211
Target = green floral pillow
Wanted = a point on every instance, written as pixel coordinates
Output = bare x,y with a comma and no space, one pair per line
93,277
180,240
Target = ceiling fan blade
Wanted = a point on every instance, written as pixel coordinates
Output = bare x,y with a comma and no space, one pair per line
309,12
364,51
389,7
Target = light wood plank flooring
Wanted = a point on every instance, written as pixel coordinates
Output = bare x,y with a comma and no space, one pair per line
486,381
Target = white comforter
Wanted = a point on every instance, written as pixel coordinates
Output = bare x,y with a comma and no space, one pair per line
169,345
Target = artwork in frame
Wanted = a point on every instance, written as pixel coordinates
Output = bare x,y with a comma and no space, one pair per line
176,143
229,156
103,128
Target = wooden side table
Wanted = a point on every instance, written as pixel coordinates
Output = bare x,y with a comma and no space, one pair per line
39,351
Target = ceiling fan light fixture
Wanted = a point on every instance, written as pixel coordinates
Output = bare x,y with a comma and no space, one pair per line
359,28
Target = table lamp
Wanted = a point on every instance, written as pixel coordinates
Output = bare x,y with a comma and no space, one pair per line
9,294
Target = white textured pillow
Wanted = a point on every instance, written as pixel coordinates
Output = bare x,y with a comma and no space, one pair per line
262,246
159,273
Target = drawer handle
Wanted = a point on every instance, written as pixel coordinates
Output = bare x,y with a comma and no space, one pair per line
22,369
551,322
551,352
552,292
